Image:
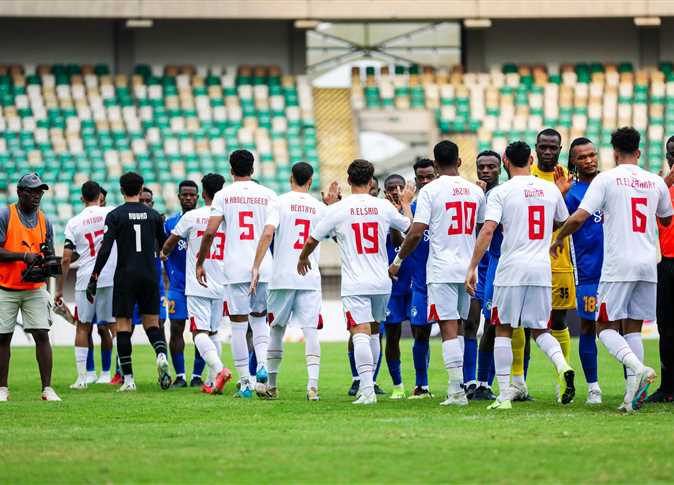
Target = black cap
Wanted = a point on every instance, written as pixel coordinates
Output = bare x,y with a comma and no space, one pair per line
31,181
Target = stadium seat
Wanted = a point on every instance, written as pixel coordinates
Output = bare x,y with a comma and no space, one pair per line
75,122
516,101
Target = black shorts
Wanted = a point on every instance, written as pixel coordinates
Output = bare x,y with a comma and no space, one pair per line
665,302
135,290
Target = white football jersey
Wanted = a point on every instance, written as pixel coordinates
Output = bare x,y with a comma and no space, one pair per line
630,199
451,207
191,227
244,206
526,207
85,231
360,224
294,215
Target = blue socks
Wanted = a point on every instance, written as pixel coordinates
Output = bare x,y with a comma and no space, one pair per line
485,366
421,355
352,363
252,363
469,359
394,370
106,359
199,364
587,349
178,360
91,366
376,371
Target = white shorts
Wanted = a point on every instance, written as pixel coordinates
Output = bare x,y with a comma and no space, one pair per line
364,309
627,299
447,301
204,313
240,302
522,306
303,306
100,310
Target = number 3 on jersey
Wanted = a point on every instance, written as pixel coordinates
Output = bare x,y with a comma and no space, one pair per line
369,231
302,237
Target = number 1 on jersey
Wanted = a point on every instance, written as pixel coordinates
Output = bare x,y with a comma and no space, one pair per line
136,228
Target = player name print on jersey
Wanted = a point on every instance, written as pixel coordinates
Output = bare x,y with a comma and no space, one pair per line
137,216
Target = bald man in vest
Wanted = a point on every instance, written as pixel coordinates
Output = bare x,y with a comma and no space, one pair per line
23,229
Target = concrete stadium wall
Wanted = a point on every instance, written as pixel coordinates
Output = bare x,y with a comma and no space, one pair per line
34,41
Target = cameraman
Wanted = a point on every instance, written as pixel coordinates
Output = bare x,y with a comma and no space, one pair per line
23,229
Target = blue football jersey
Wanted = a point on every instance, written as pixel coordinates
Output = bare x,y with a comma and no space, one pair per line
418,259
403,285
588,241
175,264
496,240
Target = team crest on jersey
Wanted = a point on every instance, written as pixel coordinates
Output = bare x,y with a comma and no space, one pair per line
413,311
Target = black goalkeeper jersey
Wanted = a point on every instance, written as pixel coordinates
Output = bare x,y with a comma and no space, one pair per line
138,231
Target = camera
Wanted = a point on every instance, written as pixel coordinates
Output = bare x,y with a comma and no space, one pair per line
48,265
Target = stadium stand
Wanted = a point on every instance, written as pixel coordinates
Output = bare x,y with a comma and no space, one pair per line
75,122
515,102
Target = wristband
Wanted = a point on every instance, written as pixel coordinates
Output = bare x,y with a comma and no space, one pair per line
397,261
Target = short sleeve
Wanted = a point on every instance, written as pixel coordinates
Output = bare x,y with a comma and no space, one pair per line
572,201
327,224
182,229
481,206
494,209
218,206
273,213
423,209
561,212
664,200
69,232
397,220
595,195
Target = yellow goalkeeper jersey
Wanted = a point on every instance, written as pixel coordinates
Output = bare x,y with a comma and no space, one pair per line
561,264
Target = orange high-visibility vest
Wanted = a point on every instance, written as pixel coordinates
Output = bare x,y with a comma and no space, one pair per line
21,239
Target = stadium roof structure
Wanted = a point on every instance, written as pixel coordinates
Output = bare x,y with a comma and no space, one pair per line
337,9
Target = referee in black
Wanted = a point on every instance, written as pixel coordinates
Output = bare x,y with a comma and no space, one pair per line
137,231
665,302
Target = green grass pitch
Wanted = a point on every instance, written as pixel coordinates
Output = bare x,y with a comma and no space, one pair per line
182,436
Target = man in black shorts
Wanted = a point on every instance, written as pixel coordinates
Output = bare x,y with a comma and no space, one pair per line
138,230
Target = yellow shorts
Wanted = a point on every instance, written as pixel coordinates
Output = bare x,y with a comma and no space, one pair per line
563,291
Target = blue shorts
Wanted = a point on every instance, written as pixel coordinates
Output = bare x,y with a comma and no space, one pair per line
419,308
488,294
177,305
137,320
479,289
586,301
398,309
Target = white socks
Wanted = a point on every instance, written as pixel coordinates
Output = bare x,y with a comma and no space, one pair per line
275,352
81,361
553,350
620,349
260,339
312,354
240,349
452,355
637,346
375,348
503,362
209,352
362,353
